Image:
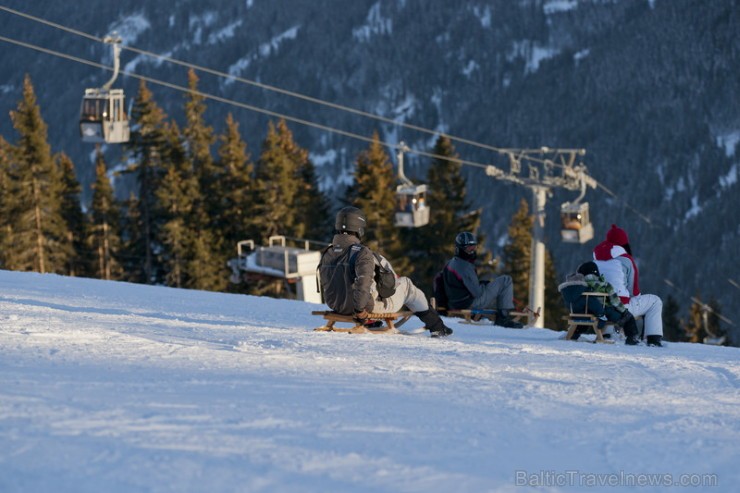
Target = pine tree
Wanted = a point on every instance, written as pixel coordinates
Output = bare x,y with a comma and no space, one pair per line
554,305
374,193
517,253
133,252
77,227
146,147
517,260
206,257
175,206
199,138
205,267
703,324
105,229
38,234
277,187
311,205
449,214
695,323
5,200
672,325
238,194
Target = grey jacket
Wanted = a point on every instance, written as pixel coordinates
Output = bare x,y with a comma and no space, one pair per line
461,283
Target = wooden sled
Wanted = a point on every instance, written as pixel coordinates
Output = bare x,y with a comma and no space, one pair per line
476,316
576,320
388,318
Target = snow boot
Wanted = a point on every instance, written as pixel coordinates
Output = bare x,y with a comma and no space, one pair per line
654,341
504,320
630,331
433,323
631,341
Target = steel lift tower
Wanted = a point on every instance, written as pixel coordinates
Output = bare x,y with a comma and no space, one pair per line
542,170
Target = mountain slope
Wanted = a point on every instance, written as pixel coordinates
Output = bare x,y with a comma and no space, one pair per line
649,88
121,387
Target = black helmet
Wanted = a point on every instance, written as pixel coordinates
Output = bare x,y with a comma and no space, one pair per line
587,268
350,219
465,245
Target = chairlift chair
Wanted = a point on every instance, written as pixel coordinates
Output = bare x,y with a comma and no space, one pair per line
103,116
411,207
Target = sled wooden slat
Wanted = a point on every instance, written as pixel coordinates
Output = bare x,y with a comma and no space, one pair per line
389,318
474,315
587,320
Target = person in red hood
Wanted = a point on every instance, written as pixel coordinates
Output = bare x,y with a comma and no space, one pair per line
614,260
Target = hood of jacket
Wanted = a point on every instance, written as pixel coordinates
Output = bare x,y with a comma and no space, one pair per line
573,288
607,251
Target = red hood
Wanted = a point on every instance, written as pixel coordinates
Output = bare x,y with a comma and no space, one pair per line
603,251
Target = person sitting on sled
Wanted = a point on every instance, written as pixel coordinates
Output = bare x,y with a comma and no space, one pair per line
588,279
463,290
614,258
356,281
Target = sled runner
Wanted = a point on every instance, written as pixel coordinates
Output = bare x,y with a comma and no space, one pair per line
476,316
389,319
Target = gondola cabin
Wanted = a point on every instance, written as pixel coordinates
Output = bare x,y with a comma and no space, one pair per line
576,225
103,117
411,207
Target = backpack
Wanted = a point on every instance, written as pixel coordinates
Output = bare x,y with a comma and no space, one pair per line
334,281
344,270
385,279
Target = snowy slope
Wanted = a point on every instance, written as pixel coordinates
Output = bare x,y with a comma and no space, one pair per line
118,387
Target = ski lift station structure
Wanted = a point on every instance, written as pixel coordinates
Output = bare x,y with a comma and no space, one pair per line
103,116
294,265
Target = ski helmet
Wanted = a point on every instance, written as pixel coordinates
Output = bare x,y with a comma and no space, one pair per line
350,219
587,268
466,244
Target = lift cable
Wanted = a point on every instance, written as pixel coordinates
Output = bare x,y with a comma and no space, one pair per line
526,154
499,150
232,102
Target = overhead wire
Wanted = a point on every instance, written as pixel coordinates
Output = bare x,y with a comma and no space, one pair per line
258,84
231,101
500,150
527,155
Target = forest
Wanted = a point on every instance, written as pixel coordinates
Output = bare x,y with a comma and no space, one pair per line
198,193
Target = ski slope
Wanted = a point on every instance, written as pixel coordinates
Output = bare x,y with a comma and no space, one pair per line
116,387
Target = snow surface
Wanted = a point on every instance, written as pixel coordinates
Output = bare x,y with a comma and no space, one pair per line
117,387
